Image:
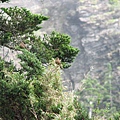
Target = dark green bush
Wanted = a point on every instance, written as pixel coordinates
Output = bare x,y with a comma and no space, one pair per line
81,113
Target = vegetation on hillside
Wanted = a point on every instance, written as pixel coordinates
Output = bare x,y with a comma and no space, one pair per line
35,91
98,95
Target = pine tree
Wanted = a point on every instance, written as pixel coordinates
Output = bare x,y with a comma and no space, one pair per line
17,32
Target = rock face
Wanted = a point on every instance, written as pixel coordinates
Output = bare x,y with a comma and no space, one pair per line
10,56
94,28
96,32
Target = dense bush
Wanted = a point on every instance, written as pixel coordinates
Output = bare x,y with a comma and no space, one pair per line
40,98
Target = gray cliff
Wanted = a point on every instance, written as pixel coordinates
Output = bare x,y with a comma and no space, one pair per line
95,30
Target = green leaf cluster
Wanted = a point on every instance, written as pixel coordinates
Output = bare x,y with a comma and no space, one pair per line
16,22
60,46
18,25
30,64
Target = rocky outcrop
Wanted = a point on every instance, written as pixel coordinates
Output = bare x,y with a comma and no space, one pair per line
95,30
10,56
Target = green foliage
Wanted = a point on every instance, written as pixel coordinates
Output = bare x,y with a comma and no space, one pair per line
93,90
60,45
113,1
39,98
4,1
116,116
34,91
100,93
37,46
114,4
1,68
16,22
80,110
30,64
97,94
18,25
14,99
52,46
